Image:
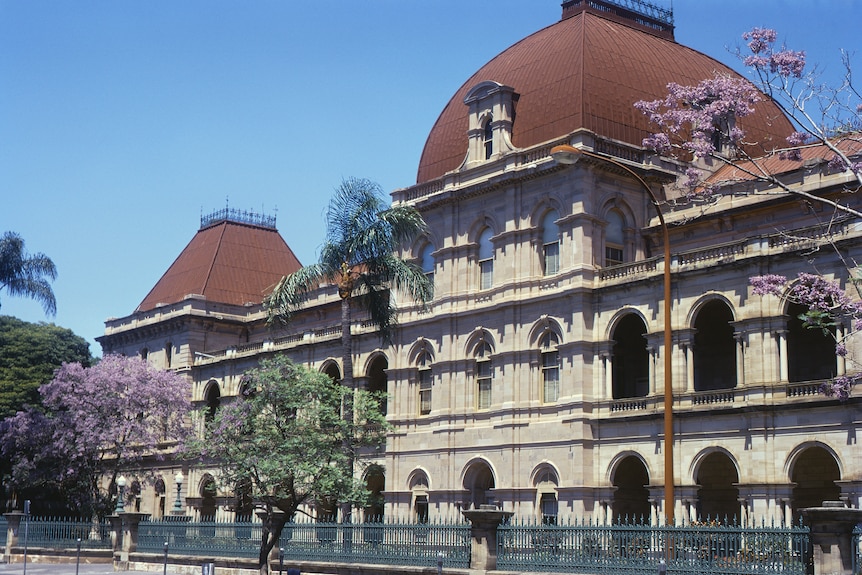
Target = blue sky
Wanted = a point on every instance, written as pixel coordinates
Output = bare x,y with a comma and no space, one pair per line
121,122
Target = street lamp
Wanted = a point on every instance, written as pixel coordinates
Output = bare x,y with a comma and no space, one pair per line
565,154
121,489
178,505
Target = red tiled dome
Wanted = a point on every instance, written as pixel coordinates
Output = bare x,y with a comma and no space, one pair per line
586,71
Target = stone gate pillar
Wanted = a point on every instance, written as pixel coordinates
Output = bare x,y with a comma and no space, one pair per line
13,526
483,532
832,537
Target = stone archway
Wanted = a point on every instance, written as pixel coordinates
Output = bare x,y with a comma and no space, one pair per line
479,482
377,379
814,475
631,498
718,494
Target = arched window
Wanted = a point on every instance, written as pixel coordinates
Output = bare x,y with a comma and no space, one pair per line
546,489
630,359
144,353
714,348
419,491
631,497
550,368
489,138
486,260
423,363
377,380
169,352
484,375
213,401
614,239
550,244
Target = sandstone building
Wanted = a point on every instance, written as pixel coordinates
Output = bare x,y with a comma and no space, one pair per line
535,379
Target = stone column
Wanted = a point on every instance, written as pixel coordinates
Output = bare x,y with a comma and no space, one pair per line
124,537
12,527
483,531
831,544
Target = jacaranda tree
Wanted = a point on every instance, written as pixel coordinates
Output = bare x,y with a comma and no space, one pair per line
102,419
283,439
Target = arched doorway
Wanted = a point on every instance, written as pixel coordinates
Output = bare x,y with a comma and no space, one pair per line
479,482
377,380
631,498
718,494
714,348
814,474
208,491
810,352
375,482
630,358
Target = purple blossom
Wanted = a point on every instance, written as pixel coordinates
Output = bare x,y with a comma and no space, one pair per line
797,138
840,349
767,284
712,105
760,39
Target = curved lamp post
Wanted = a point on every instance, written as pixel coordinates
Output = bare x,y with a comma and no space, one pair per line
565,154
178,504
121,493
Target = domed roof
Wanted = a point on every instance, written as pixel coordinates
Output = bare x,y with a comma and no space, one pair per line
584,72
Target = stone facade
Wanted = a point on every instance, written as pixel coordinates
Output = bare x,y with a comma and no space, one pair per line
535,381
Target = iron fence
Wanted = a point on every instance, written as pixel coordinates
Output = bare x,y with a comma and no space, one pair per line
206,538
4,529
379,542
64,533
629,549
389,542
857,550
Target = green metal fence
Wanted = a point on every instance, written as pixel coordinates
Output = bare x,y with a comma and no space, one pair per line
635,549
64,533
4,528
206,538
389,543
857,550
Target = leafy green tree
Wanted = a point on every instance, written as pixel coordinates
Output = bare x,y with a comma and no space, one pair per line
26,275
30,353
284,439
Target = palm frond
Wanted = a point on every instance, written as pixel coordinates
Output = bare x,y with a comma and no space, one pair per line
291,291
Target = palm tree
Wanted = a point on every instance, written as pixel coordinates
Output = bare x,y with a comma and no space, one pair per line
26,275
363,234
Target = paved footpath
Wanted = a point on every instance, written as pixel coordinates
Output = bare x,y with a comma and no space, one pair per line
69,569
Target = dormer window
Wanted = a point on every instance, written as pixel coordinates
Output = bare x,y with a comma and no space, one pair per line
492,113
489,138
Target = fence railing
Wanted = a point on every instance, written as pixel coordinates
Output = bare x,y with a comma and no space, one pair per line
4,528
64,533
857,549
388,543
636,549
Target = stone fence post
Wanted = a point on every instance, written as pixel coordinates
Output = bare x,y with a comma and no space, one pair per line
483,532
832,537
12,527
124,537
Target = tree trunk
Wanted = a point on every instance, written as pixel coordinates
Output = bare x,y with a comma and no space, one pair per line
347,381
273,525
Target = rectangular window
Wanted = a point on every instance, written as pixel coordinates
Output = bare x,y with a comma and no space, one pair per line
551,376
424,391
613,256
483,379
486,274
552,258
